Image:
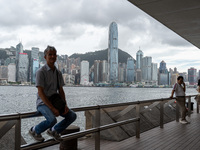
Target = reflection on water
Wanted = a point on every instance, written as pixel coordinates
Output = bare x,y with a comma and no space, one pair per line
23,99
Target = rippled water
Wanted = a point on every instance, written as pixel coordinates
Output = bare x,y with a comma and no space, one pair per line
23,99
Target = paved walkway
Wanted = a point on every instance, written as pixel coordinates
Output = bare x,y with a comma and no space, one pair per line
173,136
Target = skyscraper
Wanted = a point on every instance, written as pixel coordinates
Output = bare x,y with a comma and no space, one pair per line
139,57
163,68
34,62
104,71
84,72
130,70
163,76
22,74
19,49
12,72
154,71
146,68
96,71
192,76
35,53
113,53
35,67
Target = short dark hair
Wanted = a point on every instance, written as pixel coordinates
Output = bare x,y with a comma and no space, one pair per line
180,77
49,48
199,82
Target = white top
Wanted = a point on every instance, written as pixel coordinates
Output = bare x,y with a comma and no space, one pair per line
198,89
178,90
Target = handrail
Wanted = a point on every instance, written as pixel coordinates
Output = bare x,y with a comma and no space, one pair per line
97,129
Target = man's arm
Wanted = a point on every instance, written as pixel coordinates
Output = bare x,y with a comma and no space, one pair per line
184,89
46,101
172,94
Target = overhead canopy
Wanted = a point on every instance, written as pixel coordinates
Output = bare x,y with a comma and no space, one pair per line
181,16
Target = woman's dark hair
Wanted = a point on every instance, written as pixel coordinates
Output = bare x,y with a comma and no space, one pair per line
199,82
180,77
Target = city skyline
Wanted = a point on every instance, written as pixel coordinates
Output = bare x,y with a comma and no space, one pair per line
139,50
72,28
29,61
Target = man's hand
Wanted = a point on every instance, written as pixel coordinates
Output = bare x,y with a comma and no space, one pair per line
171,97
55,112
66,110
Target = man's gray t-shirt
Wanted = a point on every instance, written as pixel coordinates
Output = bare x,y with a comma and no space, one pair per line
47,78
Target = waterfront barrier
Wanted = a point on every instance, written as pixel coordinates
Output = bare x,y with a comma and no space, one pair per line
98,128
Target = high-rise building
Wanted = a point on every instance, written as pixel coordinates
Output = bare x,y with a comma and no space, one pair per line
138,75
174,78
96,71
35,53
35,67
154,72
192,76
12,72
3,72
113,53
22,74
164,77
121,74
130,70
146,68
139,57
163,68
103,71
19,49
28,52
84,73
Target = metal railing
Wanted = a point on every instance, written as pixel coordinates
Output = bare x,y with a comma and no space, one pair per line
97,129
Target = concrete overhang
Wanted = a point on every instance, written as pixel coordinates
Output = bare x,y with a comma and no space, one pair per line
181,16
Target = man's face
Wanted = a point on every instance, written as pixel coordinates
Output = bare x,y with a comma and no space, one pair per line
180,81
51,57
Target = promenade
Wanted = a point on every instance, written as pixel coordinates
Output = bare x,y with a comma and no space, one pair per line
174,136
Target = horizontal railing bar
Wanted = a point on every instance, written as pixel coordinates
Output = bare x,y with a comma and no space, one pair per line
16,116
65,137
77,134
9,117
39,144
112,125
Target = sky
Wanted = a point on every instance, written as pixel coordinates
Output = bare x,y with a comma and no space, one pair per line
80,26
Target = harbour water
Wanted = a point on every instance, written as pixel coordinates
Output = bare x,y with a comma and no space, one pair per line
20,99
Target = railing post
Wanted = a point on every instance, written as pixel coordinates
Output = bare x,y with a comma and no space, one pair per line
97,125
161,114
138,122
177,112
189,106
18,134
197,105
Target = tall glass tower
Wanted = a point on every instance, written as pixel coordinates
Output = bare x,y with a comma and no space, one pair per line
163,68
113,53
130,70
139,57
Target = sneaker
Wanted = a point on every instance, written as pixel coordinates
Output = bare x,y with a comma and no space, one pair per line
37,137
183,121
187,121
55,135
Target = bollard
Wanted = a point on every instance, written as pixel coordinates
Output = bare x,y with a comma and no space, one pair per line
70,144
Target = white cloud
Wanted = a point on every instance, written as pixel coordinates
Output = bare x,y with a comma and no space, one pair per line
79,26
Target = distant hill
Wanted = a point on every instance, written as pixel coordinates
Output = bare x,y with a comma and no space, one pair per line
101,55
